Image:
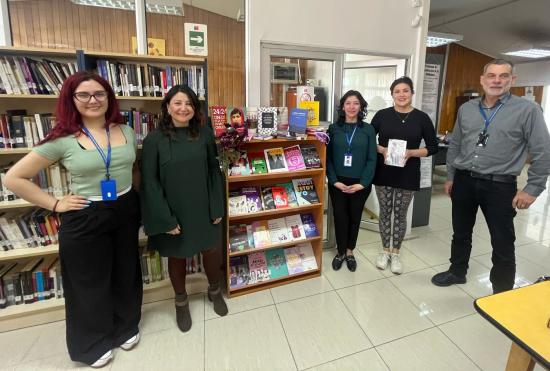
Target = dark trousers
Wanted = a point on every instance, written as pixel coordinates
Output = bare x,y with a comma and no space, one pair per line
347,209
98,248
495,201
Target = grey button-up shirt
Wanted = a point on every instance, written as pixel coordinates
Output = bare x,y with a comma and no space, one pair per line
517,129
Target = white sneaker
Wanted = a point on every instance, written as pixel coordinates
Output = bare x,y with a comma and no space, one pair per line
396,266
106,358
130,343
383,260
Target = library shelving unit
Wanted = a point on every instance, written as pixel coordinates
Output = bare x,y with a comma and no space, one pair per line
24,315
240,181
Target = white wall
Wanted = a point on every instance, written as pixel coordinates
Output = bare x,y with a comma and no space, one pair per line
533,73
379,27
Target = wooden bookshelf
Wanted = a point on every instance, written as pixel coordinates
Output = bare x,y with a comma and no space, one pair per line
237,182
145,58
16,204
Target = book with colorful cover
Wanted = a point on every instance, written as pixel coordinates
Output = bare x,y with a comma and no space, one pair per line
295,227
291,196
275,160
238,238
305,191
282,121
257,266
241,166
294,159
239,275
250,236
293,260
253,199
267,198
236,119
278,231
219,119
280,198
305,250
260,233
297,121
312,111
257,162
310,228
251,117
311,157
237,205
276,263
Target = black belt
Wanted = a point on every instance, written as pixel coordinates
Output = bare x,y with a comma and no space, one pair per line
492,177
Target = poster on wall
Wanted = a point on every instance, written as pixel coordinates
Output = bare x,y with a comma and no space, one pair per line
154,46
430,94
196,39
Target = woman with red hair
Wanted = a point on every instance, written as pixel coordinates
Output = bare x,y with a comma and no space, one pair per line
98,237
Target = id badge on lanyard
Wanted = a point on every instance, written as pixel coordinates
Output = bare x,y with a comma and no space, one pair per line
107,185
484,135
348,157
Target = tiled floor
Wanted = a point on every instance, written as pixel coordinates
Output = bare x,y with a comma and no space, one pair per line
367,320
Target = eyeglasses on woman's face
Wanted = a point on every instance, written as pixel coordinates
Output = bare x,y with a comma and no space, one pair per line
85,97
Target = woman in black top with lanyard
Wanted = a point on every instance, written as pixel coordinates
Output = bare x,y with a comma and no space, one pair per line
351,160
395,185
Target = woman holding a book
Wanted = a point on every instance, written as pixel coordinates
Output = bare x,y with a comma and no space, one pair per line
98,237
351,160
182,196
400,130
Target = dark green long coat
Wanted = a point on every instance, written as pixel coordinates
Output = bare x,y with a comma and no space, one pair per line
181,184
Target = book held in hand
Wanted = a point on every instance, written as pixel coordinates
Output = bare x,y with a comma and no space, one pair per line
396,152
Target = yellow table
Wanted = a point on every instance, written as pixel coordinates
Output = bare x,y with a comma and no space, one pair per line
522,315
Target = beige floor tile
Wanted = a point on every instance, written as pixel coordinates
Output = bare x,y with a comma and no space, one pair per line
477,284
253,340
365,272
23,339
241,303
536,253
322,325
428,350
165,350
365,360
480,245
439,304
161,315
55,363
480,340
410,261
301,289
383,312
51,342
429,249
366,236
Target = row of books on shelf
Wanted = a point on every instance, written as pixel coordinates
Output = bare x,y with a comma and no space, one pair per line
19,130
28,229
272,264
54,180
299,192
262,233
22,75
269,121
29,281
145,80
154,268
276,160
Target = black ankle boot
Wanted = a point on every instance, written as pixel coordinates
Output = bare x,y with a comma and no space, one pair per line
183,316
216,297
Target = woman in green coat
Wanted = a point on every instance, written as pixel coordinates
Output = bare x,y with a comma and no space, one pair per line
182,196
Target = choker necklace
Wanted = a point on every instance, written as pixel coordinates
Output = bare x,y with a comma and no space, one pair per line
401,117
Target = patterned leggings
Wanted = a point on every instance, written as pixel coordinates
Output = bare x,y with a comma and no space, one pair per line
394,200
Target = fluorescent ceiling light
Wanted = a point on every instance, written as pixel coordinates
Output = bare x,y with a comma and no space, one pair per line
439,38
530,53
130,5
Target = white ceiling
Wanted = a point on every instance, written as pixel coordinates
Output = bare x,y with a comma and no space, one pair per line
494,26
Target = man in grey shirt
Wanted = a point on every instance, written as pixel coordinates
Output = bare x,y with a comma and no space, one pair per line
488,148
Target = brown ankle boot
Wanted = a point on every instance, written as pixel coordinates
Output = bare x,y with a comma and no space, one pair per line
216,297
183,316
